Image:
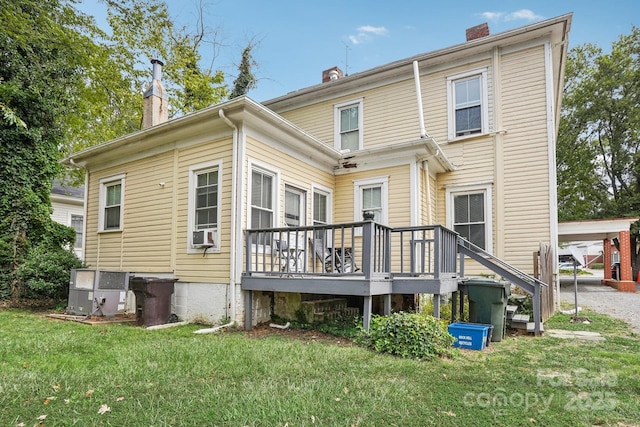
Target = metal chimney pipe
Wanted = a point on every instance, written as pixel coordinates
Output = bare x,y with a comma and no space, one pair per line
157,69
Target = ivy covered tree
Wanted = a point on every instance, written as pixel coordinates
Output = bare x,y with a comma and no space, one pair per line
65,85
39,61
246,79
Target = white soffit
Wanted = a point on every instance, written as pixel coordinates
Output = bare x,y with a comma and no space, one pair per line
598,229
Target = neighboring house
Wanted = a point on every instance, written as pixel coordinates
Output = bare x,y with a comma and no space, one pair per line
242,201
68,209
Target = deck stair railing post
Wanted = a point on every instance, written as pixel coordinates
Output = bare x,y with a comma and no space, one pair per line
524,281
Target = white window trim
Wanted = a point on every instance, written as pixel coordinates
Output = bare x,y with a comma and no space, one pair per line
488,208
104,183
191,204
268,169
336,122
315,188
357,198
484,99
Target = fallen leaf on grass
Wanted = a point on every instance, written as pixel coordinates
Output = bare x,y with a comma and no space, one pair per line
337,399
103,409
313,419
346,390
450,413
57,387
20,425
42,417
120,399
88,393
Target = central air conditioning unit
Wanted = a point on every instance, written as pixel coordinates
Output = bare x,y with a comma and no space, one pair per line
206,238
97,292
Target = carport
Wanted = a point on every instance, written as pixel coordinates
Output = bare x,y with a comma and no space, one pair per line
606,230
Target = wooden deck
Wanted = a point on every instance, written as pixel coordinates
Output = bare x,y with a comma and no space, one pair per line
357,259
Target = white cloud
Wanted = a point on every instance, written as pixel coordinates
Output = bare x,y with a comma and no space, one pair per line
366,33
522,14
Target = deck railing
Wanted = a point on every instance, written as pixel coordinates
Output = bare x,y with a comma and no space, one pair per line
363,249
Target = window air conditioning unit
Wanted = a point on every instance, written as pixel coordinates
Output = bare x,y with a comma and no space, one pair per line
205,238
97,292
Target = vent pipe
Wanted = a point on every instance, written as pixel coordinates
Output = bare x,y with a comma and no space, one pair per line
416,78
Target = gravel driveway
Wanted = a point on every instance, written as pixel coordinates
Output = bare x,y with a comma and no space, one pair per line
603,299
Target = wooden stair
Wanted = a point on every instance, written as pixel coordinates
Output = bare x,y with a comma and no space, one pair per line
520,322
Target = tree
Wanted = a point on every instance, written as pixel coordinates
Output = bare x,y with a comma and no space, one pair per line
598,145
118,70
39,60
246,79
599,141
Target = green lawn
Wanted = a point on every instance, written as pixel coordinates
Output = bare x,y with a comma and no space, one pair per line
67,372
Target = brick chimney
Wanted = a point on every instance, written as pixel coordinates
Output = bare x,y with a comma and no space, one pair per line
155,100
478,31
333,73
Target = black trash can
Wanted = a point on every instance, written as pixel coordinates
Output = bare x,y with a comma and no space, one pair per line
153,299
488,304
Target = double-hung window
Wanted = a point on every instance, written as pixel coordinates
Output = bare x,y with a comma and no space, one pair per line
321,206
263,214
77,223
294,203
204,205
111,203
206,209
371,195
469,214
467,96
348,125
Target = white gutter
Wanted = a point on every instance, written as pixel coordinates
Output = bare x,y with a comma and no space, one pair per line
416,78
235,225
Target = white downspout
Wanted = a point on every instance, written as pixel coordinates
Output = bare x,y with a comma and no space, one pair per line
416,78
233,279
427,183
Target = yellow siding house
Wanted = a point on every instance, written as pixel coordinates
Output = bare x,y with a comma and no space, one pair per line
461,138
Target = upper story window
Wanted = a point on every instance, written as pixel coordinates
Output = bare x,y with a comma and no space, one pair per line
348,125
469,214
204,206
111,203
467,102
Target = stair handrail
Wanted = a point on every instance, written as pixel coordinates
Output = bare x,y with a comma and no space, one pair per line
524,281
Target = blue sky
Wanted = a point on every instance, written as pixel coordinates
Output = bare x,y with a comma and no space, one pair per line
300,38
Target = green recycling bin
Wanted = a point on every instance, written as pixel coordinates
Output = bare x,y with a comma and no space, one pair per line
488,304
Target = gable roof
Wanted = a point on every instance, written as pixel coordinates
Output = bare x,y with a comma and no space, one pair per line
556,29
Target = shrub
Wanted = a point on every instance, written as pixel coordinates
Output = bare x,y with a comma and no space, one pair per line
46,271
409,335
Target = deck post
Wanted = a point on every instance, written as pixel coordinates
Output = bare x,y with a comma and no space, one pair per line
366,313
248,310
537,312
387,304
436,305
